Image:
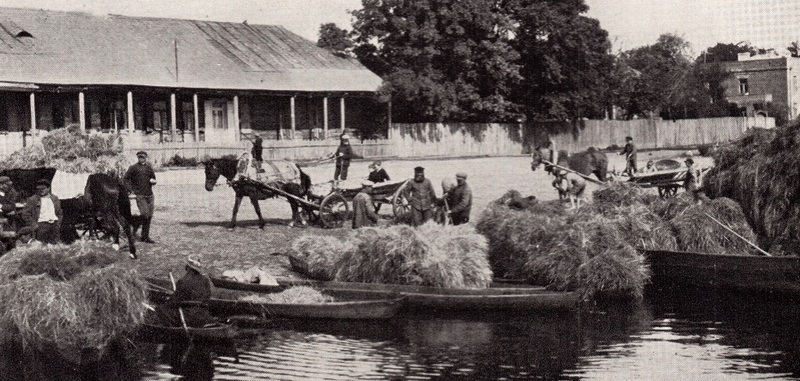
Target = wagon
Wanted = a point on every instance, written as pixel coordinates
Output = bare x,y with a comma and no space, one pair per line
667,181
329,202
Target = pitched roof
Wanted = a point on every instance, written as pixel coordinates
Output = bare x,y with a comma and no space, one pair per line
72,48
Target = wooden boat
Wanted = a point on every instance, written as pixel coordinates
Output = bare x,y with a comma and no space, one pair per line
493,298
227,303
159,333
739,272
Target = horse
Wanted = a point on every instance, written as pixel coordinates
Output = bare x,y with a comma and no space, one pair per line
587,162
228,167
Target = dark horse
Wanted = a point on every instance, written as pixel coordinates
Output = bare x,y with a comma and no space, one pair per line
587,162
227,167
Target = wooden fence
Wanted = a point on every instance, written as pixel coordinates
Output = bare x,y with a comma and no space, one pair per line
464,139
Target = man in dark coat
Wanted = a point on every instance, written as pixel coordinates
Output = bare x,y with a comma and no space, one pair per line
140,179
191,297
363,210
258,147
421,196
377,174
460,200
630,156
43,214
343,156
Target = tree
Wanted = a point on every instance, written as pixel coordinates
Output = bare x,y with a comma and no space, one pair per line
722,52
440,59
794,49
335,39
566,64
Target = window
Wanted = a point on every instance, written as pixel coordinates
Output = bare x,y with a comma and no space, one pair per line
743,88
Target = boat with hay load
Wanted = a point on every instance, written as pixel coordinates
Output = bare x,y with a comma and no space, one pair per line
294,302
419,297
209,334
749,273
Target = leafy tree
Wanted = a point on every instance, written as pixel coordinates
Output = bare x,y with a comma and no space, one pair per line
440,59
722,52
565,59
794,49
335,39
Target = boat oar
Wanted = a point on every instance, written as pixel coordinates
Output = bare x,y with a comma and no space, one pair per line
183,322
760,250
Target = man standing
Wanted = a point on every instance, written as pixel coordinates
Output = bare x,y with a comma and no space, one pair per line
257,149
575,188
140,179
343,155
43,214
363,211
630,156
461,198
9,203
377,174
421,196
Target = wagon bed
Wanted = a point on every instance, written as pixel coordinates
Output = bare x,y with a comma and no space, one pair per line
667,181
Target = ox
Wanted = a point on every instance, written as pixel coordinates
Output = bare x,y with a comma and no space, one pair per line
227,167
587,162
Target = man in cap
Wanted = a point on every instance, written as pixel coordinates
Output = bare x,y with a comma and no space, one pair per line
8,198
363,209
460,200
692,180
140,179
343,155
191,296
377,174
257,148
43,214
575,187
630,156
421,196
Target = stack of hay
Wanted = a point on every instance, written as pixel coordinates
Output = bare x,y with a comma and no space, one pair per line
292,295
431,255
70,150
760,171
70,297
594,249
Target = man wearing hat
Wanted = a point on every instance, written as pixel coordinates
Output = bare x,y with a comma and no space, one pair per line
43,214
459,200
630,156
363,209
140,179
575,186
191,296
8,197
421,196
343,155
692,181
377,174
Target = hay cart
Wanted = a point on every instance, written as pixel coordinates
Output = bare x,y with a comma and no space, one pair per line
668,182
332,209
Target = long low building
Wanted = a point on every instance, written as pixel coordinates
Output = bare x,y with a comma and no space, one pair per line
165,81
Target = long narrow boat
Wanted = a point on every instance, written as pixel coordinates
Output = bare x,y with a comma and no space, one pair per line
227,303
738,272
493,298
159,333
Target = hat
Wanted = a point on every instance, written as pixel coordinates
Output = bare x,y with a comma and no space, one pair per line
367,183
419,169
650,162
5,179
193,262
376,163
628,138
141,153
689,160
344,137
561,172
42,182
461,175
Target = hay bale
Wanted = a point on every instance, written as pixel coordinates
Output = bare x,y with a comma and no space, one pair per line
670,207
618,193
616,272
320,253
87,306
292,295
696,232
642,228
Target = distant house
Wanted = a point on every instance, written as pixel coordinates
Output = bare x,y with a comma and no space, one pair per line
759,80
170,80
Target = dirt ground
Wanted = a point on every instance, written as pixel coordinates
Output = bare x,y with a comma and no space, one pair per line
190,220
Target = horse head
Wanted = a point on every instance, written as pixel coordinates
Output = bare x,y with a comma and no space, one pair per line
212,174
539,154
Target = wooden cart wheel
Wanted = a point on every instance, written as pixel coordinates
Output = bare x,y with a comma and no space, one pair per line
400,206
334,211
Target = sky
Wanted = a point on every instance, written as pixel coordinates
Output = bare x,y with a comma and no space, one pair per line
630,23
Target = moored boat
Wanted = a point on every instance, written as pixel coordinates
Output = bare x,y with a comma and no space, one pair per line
213,333
493,298
736,272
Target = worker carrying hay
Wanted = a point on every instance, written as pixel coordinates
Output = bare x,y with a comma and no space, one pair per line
363,211
693,181
189,303
574,186
421,196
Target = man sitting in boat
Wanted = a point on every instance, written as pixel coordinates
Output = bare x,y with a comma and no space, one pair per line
189,303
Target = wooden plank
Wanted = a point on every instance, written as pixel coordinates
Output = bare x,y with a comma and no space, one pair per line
586,177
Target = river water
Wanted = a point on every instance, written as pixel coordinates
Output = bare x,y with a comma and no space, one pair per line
682,335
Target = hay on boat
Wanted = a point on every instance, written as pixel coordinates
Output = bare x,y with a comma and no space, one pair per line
292,295
618,272
642,228
89,305
320,253
619,193
697,232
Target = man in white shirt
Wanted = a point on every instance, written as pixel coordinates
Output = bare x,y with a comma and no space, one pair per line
43,214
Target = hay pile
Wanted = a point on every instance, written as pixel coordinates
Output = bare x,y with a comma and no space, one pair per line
431,255
68,296
319,254
292,295
761,172
594,249
69,150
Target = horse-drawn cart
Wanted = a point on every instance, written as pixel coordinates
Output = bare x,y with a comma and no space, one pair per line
667,181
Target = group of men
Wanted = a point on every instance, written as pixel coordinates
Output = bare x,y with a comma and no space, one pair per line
39,217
